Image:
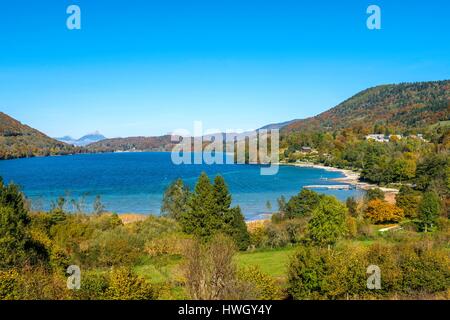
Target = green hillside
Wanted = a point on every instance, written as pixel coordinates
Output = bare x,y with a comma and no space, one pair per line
400,106
19,141
162,143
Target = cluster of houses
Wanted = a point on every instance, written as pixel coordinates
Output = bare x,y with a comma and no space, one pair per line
387,138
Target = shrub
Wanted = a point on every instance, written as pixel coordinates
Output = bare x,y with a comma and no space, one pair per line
346,273
352,206
38,283
277,236
425,270
117,247
264,286
171,244
258,234
364,228
410,270
351,226
306,273
210,272
125,285
9,285
94,286
105,222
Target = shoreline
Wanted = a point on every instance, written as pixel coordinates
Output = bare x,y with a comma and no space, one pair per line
350,177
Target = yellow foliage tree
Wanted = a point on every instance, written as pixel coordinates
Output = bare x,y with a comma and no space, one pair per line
380,211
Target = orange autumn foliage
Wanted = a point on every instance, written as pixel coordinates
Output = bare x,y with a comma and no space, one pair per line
380,211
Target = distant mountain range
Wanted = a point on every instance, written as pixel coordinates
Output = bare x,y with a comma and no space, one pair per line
83,141
402,106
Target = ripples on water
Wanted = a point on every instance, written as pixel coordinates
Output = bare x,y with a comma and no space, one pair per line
135,182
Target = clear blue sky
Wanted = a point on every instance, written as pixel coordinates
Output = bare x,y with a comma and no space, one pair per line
148,67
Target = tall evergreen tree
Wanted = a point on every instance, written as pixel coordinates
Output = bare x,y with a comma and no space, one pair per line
222,195
199,219
175,200
236,228
230,220
209,212
222,198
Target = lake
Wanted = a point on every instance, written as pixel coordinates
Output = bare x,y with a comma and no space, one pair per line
135,182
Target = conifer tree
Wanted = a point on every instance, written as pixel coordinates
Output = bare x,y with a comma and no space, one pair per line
199,219
175,200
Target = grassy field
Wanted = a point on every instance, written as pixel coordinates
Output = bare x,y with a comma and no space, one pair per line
168,268
273,262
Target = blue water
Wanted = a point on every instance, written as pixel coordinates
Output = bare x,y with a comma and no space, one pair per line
135,182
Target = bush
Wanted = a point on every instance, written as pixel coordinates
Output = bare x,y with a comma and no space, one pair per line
258,234
306,273
171,244
210,271
351,226
263,285
94,286
124,285
116,247
410,270
425,270
280,234
9,285
364,228
277,236
38,283
154,228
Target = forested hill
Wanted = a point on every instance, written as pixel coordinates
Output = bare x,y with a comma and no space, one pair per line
399,107
19,141
161,143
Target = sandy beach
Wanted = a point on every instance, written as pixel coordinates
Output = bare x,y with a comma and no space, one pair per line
350,177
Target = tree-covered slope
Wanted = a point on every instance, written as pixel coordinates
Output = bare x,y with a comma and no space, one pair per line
401,106
18,141
162,143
